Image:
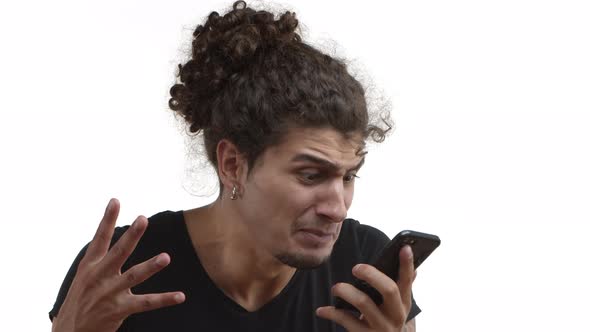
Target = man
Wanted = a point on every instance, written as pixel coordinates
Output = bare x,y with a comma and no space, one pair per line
285,127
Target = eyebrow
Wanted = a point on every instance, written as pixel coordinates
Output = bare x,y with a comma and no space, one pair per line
304,157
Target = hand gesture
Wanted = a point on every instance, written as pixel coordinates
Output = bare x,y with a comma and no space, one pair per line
100,297
391,315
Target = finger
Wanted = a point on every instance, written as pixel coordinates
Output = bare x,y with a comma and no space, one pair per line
406,275
362,302
141,272
126,244
392,305
99,245
341,317
147,302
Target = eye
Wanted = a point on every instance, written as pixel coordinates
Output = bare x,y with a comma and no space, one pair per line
310,177
350,178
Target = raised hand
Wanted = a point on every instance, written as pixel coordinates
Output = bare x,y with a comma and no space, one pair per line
100,297
391,315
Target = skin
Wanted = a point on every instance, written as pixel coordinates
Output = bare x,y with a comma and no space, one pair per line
304,184
100,298
287,215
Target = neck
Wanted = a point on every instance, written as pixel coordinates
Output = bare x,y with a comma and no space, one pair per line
246,273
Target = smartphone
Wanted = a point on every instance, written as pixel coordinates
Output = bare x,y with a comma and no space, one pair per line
387,261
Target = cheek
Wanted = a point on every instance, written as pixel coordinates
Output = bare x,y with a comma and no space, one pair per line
276,201
348,195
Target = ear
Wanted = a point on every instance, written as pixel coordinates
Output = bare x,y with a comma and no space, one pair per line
232,166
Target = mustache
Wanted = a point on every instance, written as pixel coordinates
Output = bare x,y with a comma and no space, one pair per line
320,228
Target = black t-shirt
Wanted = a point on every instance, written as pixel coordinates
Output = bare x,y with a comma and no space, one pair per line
207,308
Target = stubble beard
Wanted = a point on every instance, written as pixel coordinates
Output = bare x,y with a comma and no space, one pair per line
299,261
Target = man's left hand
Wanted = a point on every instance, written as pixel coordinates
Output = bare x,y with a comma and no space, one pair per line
391,315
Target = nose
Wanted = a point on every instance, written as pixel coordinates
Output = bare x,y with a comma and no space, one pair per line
332,202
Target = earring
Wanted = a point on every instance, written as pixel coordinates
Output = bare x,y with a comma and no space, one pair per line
234,193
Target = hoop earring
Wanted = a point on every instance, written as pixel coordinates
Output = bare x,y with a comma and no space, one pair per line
234,193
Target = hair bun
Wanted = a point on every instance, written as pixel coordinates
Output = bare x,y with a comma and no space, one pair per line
225,45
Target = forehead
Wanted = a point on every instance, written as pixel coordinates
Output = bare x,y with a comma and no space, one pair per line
325,143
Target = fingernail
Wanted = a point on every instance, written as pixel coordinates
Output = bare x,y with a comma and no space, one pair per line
409,252
333,288
136,222
161,260
179,297
356,268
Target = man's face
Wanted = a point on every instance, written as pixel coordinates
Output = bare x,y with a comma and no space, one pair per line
298,194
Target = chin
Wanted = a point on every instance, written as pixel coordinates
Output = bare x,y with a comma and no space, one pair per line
302,261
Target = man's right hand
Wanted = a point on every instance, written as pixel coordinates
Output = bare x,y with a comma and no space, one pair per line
100,297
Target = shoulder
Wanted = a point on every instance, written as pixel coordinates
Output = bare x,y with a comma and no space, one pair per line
165,231
166,216
165,221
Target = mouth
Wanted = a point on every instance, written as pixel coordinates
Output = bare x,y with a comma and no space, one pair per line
317,232
315,237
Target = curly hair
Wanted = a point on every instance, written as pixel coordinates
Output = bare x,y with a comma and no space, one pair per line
251,78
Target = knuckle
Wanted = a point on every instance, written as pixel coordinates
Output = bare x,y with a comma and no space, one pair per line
408,276
408,281
88,277
147,303
118,251
120,308
91,283
390,290
400,319
363,301
102,236
83,265
131,277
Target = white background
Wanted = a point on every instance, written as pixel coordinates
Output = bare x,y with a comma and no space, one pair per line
491,151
